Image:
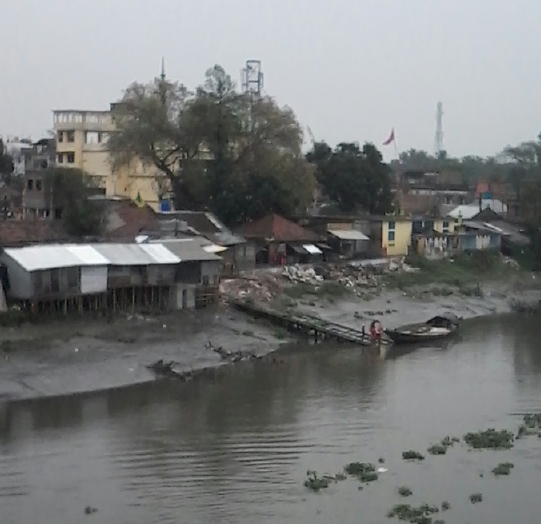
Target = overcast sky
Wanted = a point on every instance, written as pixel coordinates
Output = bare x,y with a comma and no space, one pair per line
351,69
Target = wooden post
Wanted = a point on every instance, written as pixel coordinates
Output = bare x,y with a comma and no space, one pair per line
133,299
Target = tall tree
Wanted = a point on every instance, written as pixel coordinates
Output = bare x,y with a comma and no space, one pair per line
214,144
6,164
356,179
67,191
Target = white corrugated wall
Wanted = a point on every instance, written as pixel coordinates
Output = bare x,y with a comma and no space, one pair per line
93,279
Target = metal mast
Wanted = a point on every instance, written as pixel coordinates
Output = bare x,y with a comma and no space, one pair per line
252,84
438,137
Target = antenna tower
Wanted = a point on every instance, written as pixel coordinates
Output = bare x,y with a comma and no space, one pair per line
252,77
252,84
438,137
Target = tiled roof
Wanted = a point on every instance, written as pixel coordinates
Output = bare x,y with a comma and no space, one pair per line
24,232
126,220
278,229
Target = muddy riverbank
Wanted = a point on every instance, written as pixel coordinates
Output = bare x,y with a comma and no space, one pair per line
74,356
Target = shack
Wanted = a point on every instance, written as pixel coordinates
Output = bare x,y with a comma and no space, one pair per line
197,276
48,273
281,241
140,275
237,252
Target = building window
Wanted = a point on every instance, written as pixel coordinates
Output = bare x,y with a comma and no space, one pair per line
205,280
392,230
92,137
60,158
91,119
39,185
445,228
60,136
70,136
78,118
71,158
30,184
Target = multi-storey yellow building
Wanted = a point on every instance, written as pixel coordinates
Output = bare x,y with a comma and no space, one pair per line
81,142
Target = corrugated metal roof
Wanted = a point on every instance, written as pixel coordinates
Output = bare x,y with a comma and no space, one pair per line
160,253
36,258
88,255
125,254
190,249
348,234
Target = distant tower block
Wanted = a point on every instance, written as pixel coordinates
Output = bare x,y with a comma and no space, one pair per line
439,150
252,77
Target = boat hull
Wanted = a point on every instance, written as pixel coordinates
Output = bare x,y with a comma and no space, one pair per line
399,337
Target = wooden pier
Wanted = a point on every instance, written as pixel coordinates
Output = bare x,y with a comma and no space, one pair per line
309,325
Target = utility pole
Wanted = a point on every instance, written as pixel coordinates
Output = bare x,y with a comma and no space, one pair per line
439,150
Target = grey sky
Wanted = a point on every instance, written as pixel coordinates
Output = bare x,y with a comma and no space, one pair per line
351,69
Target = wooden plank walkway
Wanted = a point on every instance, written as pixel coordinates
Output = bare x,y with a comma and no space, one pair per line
310,325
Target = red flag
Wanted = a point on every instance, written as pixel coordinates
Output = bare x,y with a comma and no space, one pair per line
390,139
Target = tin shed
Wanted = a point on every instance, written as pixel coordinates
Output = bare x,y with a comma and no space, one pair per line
51,272
94,270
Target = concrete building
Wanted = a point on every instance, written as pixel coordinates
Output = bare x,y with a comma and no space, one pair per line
81,142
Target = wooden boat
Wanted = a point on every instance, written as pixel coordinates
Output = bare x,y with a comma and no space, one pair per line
438,327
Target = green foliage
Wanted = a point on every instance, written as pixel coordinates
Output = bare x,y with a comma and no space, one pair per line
504,468
354,178
219,149
6,164
464,271
437,449
404,491
67,191
490,439
364,471
412,455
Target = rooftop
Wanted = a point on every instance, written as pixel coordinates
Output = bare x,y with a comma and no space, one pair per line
278,229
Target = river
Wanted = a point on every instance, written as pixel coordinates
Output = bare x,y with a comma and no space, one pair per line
237,450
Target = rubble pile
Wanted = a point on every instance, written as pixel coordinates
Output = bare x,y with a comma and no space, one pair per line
264,286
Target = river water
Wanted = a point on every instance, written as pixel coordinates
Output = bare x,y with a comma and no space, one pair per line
237,450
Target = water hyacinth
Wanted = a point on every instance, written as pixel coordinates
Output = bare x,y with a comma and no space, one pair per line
503,468
364,471
490,439
412,455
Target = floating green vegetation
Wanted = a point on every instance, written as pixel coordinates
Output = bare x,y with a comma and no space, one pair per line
315,483
412,455
404,491
490,439
364,471
445,506
504,468
476,498
533,421
437,449
381,460
531,426
449,441
420,515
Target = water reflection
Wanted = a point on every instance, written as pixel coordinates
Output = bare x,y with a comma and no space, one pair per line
235,449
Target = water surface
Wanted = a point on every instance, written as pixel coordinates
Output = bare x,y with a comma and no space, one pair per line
237,450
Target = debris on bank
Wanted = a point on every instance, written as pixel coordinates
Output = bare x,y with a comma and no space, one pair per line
266,285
